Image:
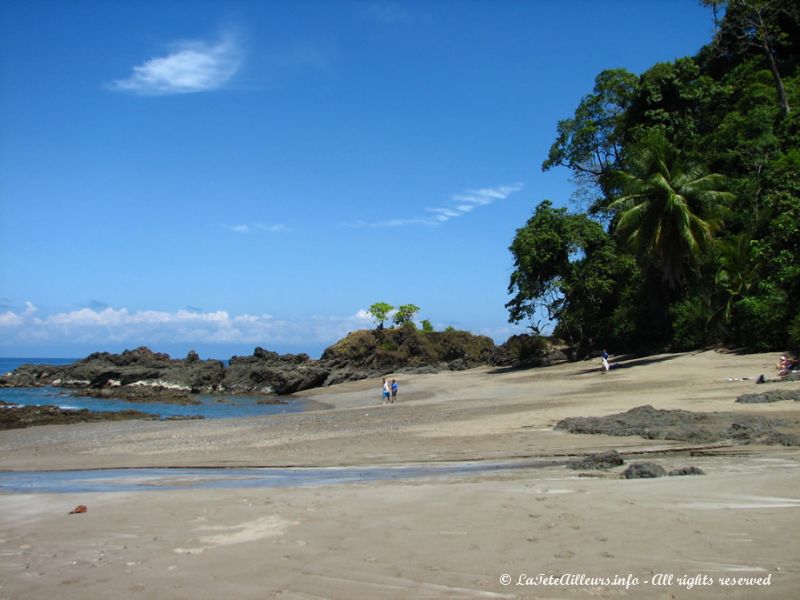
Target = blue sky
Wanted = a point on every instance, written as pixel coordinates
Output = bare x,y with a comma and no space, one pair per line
221,175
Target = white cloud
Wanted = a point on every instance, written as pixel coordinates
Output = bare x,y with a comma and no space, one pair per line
257,227
10,319
191,66
460,204
121,326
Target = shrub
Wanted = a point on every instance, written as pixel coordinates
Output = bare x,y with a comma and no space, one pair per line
690,318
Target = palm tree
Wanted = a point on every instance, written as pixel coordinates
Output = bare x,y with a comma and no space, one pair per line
737,271
667,212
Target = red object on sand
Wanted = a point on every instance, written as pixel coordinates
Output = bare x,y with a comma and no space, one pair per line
81,508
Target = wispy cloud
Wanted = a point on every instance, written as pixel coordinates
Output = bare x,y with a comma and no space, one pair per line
245,228
190,67
388,12
459,205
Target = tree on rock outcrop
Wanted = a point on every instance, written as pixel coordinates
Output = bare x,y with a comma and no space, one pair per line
405,313
380,311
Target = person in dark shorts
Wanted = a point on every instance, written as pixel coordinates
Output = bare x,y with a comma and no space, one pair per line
394,389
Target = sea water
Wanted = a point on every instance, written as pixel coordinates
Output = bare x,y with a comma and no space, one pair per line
210,407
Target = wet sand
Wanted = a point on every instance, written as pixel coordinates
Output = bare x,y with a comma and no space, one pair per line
429,537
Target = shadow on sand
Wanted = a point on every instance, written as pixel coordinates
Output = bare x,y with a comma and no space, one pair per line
624,361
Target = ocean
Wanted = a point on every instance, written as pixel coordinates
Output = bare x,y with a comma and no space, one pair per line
211,407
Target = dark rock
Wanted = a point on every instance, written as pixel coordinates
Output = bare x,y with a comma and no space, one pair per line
344,374
271,377
103,370
19,417
776,438
361,354
380,352
459,364
770,396
681,425
643,471
686,471
600,460
184,418
644,421
139,393
419,370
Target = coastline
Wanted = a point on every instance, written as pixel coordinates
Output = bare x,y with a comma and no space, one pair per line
431,536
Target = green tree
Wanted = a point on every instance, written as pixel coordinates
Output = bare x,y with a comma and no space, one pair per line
667,213
757,25
590,143
568,271
405,313
427,326
380,311
737,271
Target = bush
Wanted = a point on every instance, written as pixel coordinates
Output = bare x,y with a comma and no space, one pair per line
690,319
762,319
526,349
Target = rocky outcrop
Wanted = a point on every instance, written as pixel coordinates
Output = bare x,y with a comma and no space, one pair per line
681,425
270,373
770,396
374,353
144,375
140,375
18,417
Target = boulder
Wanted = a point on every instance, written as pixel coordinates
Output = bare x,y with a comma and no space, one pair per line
770,396
644,471
600,460
686,471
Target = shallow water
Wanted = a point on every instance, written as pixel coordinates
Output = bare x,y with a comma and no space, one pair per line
210,407
130,480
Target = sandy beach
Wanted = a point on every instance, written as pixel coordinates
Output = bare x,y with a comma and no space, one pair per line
529,532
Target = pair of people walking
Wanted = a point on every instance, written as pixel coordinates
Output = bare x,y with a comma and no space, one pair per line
389,391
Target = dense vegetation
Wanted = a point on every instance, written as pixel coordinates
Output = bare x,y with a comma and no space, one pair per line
689,177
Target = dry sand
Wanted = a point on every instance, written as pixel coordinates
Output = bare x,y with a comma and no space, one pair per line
428,537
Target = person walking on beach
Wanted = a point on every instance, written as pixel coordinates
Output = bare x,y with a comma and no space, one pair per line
386,391
604,357
394,390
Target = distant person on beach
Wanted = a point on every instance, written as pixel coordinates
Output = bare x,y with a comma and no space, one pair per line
786,365
606,366
386,391
394,387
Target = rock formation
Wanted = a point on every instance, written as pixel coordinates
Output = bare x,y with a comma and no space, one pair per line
143,375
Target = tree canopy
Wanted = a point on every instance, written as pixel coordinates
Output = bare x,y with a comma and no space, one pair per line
691,235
